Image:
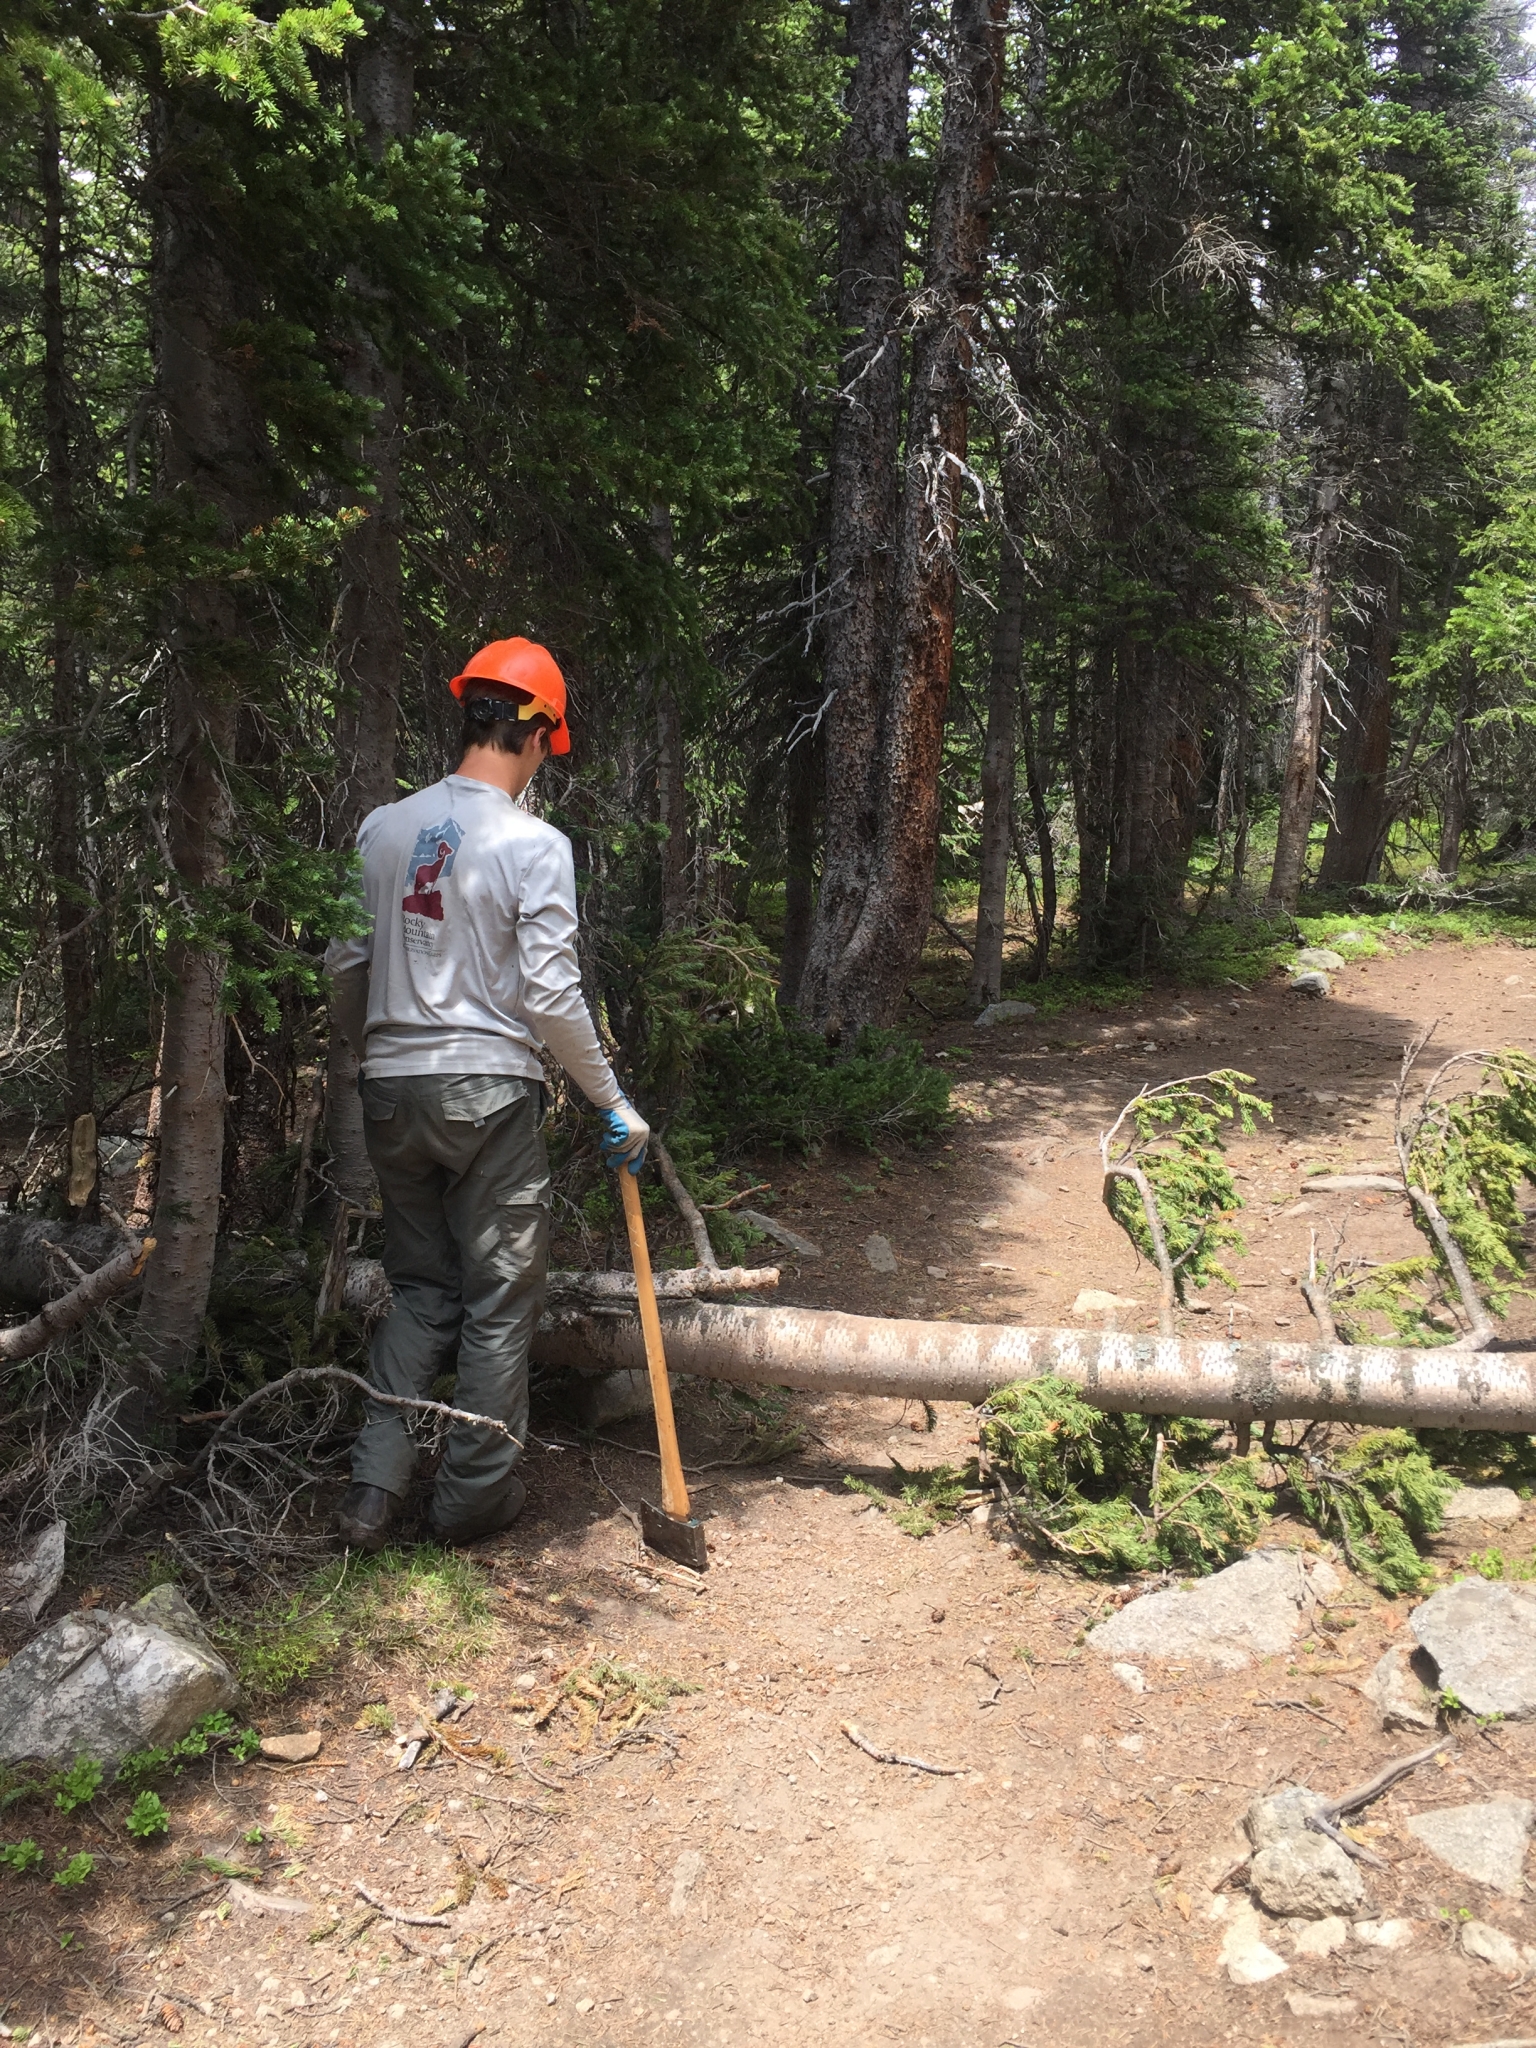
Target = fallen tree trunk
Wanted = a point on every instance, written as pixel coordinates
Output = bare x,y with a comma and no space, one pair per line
41,1259
1222,1379
367,1290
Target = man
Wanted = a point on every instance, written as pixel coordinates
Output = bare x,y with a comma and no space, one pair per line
468,969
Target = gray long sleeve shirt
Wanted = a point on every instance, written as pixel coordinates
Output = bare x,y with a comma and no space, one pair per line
470,963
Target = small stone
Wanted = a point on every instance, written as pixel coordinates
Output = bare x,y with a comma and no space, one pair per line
1095,1301
1483,1504
1306,2005
1131,1676
1004,1013
1322,1937
1305,1876
685,1874
1245,1956
291,1749
1252,1609
937,1272
1483,1842
525,1681
1133,1745
1144,1962
585,2004
1321,958
1384,1933
879,1254
981,1516
1499,1950
249,1900
1398,1691
1482,1637
1313,985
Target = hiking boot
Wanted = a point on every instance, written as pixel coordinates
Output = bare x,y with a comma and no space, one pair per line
366,1516
489,1522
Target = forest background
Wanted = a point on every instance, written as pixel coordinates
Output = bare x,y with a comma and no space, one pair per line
1075,462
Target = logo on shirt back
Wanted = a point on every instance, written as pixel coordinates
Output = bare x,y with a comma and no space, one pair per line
431,864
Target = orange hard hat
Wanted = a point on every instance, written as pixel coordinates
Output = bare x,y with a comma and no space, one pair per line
532,670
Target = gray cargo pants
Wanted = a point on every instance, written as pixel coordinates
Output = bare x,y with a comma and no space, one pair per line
464,1175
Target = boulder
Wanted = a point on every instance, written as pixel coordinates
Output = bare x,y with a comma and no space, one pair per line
1482,1636
1004,1013
1485,1842
1283,1814
1305,1876
105,1684
1310,983
1483,1504
1492,1945
1321,959
1252,1609
31,1579
1398,1691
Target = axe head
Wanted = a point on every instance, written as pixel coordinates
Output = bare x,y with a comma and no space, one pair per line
679,1537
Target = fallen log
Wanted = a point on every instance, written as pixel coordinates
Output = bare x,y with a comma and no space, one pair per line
1223,1379
41,1259
367,1291
65,1312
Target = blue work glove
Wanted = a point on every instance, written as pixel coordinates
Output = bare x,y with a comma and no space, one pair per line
625,1136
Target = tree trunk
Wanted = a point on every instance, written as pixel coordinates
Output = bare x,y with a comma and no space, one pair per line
799,868
671,807
1458,774
1358,828
66,835
865,483
1298,790
216,465
1037,754
369,640
828,1352
997,775
887,940
1091,741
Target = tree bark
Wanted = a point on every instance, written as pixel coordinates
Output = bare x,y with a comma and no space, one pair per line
865,483
369,640
1358,829
1458,773
66,837
1298,791
799,869
828,1352
997,775
887,940
1091,743
215,465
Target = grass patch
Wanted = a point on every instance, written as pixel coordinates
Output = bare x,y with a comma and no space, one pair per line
425,1606
923,1501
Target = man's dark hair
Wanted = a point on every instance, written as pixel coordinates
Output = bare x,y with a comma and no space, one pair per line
491,720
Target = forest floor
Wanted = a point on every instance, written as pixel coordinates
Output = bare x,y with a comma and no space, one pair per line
739,1871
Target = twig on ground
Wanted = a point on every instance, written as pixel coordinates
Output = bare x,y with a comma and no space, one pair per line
764,1187
1320,1825
890,1756
1384,1779
397,1913
549,1784
1305,1707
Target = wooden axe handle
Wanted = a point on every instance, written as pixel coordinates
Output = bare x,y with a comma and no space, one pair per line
674,1490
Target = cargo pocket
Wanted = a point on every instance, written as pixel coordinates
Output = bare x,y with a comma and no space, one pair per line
474,1097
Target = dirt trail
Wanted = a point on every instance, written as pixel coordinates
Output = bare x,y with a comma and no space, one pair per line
741,1872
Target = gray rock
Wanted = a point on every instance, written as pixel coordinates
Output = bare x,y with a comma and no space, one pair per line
1307,1877
879,1254
1483,1504
781,1233
1484,1842
1004,1013
1321,958
1398,1691
30,1581
1322,1937
1482,1637
263,1904
1131,1676
1492,1945
1252,1609
1310,983
606,1397
1309,2005
292,1749
1282,1815
103,1685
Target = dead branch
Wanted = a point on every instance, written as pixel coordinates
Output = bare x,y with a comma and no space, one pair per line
687,1207
890,1756
367,1289
1482,1332
396,1913
1304,1707
1384,1780
1319,1824
54,1318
